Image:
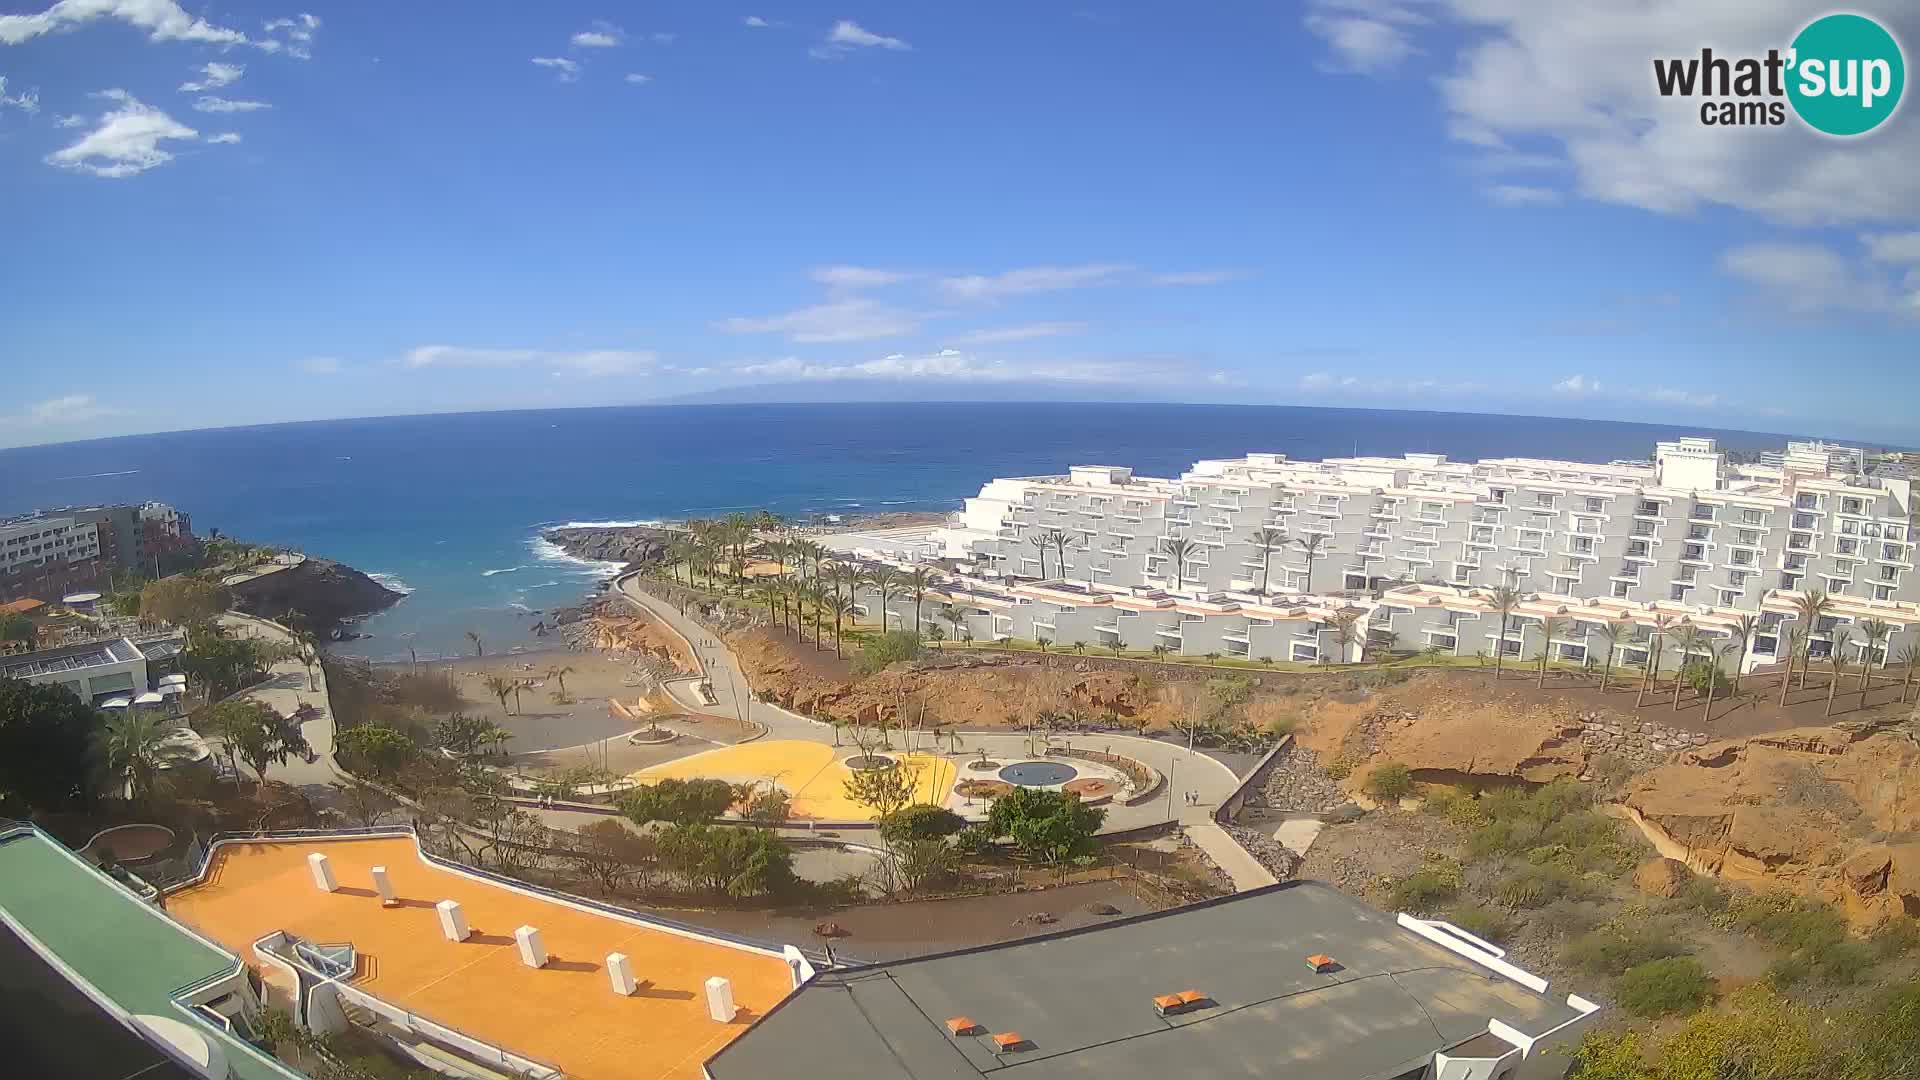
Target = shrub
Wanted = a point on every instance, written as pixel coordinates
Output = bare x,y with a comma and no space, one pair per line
1481,922
1428,888
1661,987
888,648
973,840
1611,951
680,802
1047,825
920,822
1894,937
1391,780
1536,885
1702,894
1700,673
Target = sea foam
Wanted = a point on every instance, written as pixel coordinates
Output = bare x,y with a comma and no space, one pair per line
508,570
393,582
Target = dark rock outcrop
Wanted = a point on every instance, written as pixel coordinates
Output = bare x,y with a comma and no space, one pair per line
325,592
631,544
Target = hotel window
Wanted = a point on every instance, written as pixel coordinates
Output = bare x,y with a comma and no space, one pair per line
1846,547
1850,528
1594,505
1748,536
1894,533
1680,592
1690,551
1889,573
1650,508
1883,592
1789,582
1620,590
1803,521
1542,498
1752,517
1729,597
1850,506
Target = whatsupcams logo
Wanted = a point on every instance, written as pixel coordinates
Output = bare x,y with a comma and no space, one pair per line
1843,75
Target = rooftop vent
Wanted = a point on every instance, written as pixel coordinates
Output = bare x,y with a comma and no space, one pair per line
965,1025
1172,1004
1321,963
1007,1042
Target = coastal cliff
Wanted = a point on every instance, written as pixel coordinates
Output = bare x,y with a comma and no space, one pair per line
629,544
326,592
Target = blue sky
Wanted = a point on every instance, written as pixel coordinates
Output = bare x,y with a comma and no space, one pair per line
234,213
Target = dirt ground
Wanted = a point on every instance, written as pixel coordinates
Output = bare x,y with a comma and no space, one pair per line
540,722
890,931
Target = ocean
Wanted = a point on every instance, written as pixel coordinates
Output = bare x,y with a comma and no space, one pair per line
449,508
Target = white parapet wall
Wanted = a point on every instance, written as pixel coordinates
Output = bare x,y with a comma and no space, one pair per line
322,871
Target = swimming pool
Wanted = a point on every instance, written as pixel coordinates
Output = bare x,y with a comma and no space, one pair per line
1038,773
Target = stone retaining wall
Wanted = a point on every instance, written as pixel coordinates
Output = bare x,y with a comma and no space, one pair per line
1640,742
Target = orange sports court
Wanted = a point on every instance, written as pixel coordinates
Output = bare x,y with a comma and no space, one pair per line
564,1014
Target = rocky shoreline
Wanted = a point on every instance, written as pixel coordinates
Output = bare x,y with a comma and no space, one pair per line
634,546
325,592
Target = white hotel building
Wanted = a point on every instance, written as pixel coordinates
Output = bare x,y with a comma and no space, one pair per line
1415,542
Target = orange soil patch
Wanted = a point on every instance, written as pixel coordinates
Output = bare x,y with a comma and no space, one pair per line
564,1014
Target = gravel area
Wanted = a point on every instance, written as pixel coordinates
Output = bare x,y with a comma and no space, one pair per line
1295,781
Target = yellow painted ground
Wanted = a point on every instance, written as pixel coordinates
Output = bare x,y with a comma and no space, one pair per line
563,1014
810,773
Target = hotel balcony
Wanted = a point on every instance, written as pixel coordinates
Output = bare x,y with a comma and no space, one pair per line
1234,635
1168,632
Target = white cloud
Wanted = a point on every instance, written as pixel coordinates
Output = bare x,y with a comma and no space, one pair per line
1321,382
319,365
212,104
224,137
1365,35
1806,278
126,142
72,120
638,79
1005,334
756,22
851,319
1194,277
163,20
857,277
27,101
568,70
1894,247
848,35
1522,195
1577,385
298,32
594,362
604,35
213,76
64,412
1574,79
951,365
1030,280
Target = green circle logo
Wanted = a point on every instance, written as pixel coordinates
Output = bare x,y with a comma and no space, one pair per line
1847,74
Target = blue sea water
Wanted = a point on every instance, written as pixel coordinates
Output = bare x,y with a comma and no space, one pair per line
450,507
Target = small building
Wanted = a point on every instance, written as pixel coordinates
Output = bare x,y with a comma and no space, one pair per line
1295,981
100,983
94,672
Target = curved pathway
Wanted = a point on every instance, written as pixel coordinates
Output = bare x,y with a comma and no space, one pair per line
1208,781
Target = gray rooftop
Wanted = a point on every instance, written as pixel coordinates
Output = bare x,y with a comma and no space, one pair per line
1083,1000
71,658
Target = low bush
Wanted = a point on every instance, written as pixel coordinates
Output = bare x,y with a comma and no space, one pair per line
1427,889
1481,922
1612,950
884,649
1536,885
1391,781
1702,894
1662,987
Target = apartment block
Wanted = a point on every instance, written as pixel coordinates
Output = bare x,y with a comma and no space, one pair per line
1687,534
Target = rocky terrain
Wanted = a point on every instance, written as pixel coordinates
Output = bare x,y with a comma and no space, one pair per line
1830,812
629,544
327,593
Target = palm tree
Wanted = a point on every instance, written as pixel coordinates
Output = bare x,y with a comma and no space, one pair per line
1311,545
479,647
1041,542
956,615
1744,628
499,687
884,580
130,745
1610,632
306,648
558,673
1549,626
681,549
1267,540
1873,635
1346,630
1179,549
1655,641
1796,639
1809,607
1907,657
818,597
840,605
915,585
1839,663
1689,640
1713,677
768,593
1504,599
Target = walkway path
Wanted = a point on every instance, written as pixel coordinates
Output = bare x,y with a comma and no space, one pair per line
1229,856
285,690
1187,772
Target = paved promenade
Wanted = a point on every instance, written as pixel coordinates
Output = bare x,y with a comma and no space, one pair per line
285,690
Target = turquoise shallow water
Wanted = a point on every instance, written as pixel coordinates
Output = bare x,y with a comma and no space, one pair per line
450,507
